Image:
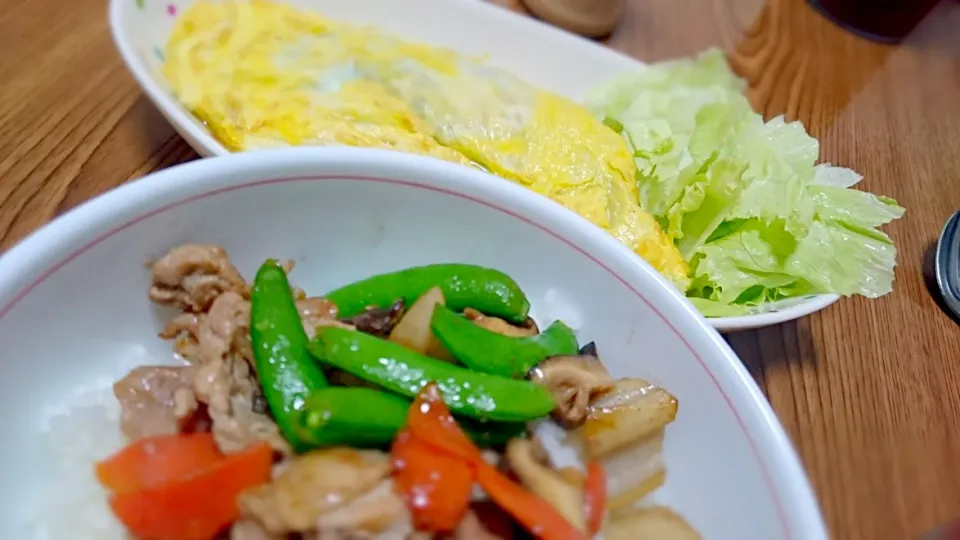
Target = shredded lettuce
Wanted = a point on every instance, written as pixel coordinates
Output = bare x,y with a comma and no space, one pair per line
744,200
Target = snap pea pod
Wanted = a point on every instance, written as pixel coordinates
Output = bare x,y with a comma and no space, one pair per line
368,418
400,370
489,352
353,416
464,285
287,372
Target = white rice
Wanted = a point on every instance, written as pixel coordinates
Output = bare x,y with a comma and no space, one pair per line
81,430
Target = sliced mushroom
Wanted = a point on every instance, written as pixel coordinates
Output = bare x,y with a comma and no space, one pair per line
523,456
378,321
590,349
500,326
633,411
650,523
574,381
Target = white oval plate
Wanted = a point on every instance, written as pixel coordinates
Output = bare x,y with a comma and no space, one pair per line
140,29
74,317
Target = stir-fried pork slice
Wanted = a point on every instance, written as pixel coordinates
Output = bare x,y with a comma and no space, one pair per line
225,380
230,314
183,329
156,400
214,333
231,393
312,485
379,514
192,276
225,330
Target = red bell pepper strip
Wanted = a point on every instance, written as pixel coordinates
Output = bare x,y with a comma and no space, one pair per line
156,460
435,484
197,506
535,514
595,495
430,421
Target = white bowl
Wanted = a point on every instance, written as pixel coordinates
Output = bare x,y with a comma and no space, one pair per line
140,31
74,314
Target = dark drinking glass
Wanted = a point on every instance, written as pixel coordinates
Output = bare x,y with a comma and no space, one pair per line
887,21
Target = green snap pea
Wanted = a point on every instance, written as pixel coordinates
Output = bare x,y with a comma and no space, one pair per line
353,416
464,285
400,370
489,352
368,418
287,372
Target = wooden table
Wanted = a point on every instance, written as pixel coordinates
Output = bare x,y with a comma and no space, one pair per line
868,390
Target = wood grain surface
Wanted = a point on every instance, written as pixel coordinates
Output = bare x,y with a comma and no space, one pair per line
868,390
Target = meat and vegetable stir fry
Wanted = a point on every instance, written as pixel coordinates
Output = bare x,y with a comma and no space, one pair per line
423,403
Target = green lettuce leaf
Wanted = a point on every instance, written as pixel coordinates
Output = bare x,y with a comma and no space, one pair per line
858,208
710,308
748,267
744,200
845,259
709,73
828,175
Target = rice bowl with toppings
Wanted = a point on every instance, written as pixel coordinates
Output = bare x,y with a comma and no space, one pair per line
647,331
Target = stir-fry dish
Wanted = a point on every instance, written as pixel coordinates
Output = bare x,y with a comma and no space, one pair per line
420,403
671,160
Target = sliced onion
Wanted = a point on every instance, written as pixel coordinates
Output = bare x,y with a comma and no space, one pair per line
635,410
651,522
633,472
414,332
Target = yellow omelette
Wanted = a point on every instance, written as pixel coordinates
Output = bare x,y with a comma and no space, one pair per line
261,74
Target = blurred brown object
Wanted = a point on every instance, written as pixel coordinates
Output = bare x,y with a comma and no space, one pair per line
950,531
885,21
591,18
